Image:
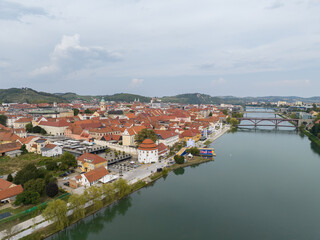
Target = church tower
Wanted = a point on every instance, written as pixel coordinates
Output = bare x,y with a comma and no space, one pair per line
102,105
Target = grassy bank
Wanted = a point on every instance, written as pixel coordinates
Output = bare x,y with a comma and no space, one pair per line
50,230
311,136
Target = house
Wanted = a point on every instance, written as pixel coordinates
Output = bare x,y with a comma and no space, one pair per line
190,134
129,134
163,150
168,138
9,191
10,149
39,144
89,161
148,152
51,150
100,174
56,128
22,122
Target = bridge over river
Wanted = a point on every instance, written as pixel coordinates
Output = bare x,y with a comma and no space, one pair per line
269,122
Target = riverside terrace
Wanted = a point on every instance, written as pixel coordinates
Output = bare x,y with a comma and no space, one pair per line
77,147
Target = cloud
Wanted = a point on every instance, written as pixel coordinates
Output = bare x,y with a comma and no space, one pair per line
275,5
216,82
4,63
206,66
286,83
136,82
14,11
69,56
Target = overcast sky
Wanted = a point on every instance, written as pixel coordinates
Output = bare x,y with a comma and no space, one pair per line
162,47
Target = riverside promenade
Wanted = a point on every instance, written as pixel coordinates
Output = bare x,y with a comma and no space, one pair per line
29,226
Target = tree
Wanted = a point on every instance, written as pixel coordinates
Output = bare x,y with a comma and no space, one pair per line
109,192
144,134
77,203
24,149
29,127
210,114
68,159
3,120
51,165
75,112
234,122
52,189
194,151
10,178
87,111
93,194
56,211
225,111
35,185
27,197
228,120
27,173
122,187
179,159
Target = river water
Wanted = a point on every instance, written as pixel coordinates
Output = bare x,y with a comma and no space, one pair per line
263,185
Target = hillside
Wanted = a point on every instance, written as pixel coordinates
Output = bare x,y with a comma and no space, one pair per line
193,98
27,95
126,97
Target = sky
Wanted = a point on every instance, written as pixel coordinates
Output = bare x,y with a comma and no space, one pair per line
162,47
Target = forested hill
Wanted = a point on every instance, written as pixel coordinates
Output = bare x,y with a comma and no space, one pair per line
28,95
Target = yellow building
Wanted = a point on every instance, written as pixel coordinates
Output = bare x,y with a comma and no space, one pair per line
89,161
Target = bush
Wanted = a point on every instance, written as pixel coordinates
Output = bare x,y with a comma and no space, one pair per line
35,185
52,189
24,149
27,173
10,178
68,159
27,197
179,159
51,165
194,151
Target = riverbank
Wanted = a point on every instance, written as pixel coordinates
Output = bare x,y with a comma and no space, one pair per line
39,228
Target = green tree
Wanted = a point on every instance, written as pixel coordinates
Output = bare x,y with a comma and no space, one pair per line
108,191
77,203
75,112
35,185
29,128
56,211
122,187
10,178
52,189
228,120
24,149
225,111
179,159
51,165
144,134
234,122
93,194
3,120
27,173
68,159
27,197
88,111
210,114
194,151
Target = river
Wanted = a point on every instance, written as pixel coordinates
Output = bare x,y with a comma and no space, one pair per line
263,185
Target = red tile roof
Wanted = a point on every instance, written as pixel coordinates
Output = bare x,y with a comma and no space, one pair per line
96,159
96,174
148,145
11,192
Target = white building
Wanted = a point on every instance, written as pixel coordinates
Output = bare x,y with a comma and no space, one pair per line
148,152
100,174
51,150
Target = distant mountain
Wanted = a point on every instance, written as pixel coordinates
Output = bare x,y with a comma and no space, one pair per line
126,97
27,95
193,98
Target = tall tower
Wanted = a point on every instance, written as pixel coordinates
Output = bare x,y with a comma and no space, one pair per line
102,104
